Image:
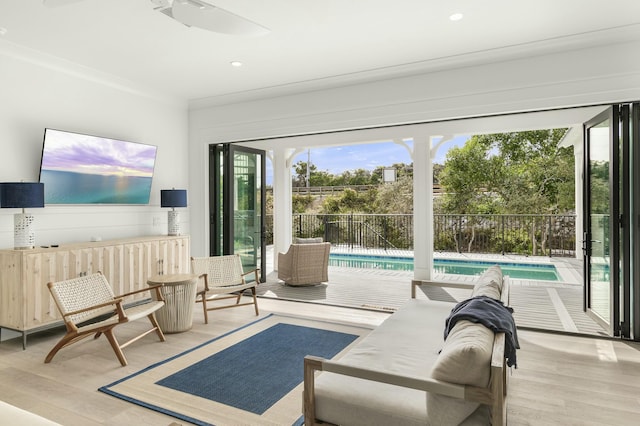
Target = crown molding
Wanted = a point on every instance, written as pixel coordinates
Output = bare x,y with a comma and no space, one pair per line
57,64
609,36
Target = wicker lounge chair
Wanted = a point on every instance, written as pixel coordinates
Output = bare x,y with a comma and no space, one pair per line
304,264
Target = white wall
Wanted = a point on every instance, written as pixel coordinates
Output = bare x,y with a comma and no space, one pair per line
38,92
603,74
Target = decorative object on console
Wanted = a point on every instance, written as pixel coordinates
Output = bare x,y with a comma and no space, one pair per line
173,198
22,195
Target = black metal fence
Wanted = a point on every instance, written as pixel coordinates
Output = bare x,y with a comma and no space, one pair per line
532,235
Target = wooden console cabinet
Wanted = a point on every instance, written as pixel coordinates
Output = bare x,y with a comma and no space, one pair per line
25,302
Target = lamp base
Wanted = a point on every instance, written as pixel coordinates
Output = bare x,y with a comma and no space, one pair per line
174,222
23,233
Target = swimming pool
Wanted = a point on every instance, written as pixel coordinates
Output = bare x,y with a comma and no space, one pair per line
527,271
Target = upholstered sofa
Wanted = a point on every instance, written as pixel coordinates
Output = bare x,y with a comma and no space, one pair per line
404,372
305,263
11,415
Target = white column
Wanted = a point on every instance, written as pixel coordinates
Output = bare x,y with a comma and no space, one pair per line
422,208
282,211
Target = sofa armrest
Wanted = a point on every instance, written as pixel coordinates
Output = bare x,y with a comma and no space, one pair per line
505,296
429,283
312,364
427,385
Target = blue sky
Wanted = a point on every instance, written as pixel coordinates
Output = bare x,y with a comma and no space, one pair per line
336,160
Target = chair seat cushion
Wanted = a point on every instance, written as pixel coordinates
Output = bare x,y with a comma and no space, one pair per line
142,310
227,288
98,324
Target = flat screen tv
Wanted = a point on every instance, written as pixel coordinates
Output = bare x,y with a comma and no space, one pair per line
84,169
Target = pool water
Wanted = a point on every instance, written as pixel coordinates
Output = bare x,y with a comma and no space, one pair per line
526,271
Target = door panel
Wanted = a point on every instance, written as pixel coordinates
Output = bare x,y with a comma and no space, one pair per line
598,219
608,234
632,292
247,206
237,203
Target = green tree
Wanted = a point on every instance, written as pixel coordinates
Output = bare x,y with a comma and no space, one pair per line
301,203
321,178
599,195
396,197
401,169
467,175
437,169
519,172
350,201
300,173
359,177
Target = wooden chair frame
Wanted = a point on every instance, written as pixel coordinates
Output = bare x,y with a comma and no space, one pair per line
88,307
224,278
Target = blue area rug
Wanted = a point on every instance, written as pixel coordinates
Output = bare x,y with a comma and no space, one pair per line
250,375
254,374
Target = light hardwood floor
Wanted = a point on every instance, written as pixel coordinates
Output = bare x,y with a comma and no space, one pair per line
560,380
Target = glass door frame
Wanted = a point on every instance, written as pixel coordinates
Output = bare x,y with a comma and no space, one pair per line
222,203
620,227
634,289
625,222
610,324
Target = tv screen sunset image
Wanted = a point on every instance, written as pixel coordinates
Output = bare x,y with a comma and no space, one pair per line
83,169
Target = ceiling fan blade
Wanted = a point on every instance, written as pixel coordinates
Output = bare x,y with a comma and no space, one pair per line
203,15
56,3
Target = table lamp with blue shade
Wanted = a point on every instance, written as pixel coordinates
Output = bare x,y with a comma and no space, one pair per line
22,195
173,198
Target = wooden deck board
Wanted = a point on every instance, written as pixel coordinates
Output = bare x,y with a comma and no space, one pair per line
532,301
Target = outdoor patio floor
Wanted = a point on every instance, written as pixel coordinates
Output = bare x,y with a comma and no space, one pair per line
546,305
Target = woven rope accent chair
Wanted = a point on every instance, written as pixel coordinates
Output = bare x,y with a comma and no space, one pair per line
304,264
222,277
88,306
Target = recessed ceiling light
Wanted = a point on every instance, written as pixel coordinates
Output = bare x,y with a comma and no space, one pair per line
456,17
236,63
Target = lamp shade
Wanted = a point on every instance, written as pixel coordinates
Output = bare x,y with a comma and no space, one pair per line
173,198
21,194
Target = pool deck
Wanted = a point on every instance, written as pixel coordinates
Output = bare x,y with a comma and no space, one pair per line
538,304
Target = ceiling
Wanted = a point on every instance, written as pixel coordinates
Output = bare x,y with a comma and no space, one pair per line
312,44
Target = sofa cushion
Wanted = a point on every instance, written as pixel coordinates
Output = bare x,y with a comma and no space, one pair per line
489,283
465,359
12,415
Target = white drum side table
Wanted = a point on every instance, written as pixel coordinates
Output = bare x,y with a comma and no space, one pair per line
179,292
